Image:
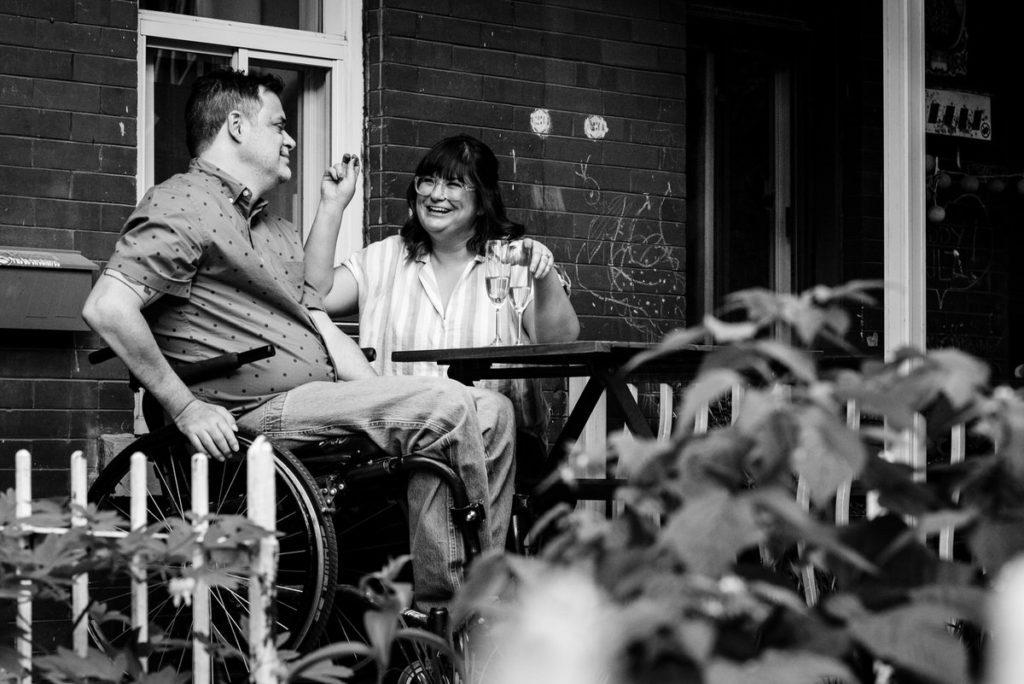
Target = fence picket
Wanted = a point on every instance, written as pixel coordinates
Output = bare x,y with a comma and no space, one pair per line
80,585
140,584
201,666
23,509
262,498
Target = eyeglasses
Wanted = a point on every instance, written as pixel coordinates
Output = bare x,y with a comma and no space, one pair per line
453,189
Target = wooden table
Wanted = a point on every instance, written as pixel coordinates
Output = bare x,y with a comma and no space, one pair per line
600,361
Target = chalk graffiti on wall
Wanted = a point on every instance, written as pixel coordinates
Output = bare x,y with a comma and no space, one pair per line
959,259
625,235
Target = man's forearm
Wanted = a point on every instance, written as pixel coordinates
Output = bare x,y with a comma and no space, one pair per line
349,361
134,344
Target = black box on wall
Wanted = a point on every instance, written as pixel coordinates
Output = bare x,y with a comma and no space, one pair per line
43,289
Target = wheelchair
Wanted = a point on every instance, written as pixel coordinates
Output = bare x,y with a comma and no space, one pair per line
341,515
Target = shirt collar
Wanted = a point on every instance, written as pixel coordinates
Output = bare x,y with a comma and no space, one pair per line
236,191
424,257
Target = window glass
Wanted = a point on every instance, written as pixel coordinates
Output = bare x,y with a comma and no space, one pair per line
303,98
294,14
173,72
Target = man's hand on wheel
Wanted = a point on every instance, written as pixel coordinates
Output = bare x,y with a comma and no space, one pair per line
210,428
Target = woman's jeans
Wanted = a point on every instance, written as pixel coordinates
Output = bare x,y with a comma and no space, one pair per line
470,429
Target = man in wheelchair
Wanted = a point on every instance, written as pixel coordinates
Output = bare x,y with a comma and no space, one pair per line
202,268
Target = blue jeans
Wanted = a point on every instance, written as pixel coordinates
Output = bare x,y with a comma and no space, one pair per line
470,429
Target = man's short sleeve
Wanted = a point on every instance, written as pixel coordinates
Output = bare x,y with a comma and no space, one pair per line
160,246
311,298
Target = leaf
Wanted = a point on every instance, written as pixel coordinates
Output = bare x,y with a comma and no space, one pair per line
995,541
658,640
828,455
94,665
902,561
964,602
837,321
933,523
380,631
707,388
762,305
326,672
780,667
961,376
916,637
774,437
794,521
637,455
854,290
724,332
708,532
488,577
896,487
712,460
669,344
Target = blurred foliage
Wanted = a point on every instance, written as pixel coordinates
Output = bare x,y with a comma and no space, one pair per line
38,561
703,575
708,573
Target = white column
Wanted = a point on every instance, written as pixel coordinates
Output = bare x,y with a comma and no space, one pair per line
904,183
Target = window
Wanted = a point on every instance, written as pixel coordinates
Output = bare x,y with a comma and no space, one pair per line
323,94
304,15
742,175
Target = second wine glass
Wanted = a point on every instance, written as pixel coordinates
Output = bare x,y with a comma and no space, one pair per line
498,272
520,287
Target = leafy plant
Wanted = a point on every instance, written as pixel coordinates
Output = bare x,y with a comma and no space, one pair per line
45,565
698,579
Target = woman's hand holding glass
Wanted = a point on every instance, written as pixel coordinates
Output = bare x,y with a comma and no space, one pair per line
499,270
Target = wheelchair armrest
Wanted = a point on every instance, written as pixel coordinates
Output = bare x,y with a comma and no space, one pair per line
191,373
219,366
100,355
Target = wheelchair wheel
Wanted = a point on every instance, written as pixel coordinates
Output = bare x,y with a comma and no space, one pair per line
308,557
371,521
371,524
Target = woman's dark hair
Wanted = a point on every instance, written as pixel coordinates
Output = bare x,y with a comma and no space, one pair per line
464,158
217,94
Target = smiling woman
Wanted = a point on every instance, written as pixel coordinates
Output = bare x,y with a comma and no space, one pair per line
426,288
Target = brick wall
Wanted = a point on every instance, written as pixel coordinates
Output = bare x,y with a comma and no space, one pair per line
67,181
610,206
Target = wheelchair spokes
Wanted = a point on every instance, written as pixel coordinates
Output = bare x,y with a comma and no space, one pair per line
307,561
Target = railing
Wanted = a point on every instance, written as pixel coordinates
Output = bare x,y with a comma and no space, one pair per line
261,493
592,441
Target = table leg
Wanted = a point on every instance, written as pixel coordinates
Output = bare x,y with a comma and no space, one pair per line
623,399
577,419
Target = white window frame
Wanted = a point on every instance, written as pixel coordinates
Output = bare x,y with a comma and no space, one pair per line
338,48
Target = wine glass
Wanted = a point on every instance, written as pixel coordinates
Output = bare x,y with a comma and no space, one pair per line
520,286
498,271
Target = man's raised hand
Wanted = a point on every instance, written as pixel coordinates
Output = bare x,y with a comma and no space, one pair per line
339,180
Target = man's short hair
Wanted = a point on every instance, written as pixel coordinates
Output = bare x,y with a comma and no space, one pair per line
217,94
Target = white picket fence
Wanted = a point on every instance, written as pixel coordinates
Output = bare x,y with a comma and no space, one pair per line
261,511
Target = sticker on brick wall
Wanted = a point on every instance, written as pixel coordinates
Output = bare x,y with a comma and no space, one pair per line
540,121
595,127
